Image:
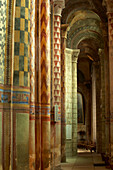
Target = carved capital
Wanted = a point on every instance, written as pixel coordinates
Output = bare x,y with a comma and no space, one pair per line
75,55
100,52
58,6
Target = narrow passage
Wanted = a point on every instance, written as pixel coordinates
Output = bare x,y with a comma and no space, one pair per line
85,161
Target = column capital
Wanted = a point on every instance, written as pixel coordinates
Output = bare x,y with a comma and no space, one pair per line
58,6
100,52
75,55
64,28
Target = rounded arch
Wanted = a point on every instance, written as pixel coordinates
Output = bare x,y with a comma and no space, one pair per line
73,43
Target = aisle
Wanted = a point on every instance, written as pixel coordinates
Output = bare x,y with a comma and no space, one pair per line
84,161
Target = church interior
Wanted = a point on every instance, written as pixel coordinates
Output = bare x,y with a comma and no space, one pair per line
56,82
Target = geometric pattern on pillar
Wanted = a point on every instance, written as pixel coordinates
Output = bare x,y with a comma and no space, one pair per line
32,53
3,5
57,63
21,43
45,60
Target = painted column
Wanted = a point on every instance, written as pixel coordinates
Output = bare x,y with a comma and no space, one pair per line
6,32
52,88
93,127
21,85
32,86
74,101
98,109
63,92
44,81
110,29
102,57
58,5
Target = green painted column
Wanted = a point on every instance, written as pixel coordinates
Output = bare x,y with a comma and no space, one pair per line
21,86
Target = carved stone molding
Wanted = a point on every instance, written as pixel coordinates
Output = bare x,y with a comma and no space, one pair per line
58,6
64,28
75,55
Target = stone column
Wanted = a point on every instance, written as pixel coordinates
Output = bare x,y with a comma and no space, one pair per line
102,57
32,86
110,32
58,5
93,123
107,91
74,101
44,85
63,92
98,105
68,101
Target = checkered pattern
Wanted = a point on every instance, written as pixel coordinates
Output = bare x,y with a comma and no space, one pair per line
21,43
2,38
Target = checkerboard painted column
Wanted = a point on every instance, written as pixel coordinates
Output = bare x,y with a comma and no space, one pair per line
3,5
21,43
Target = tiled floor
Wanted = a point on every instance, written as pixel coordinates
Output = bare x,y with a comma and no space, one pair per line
84,161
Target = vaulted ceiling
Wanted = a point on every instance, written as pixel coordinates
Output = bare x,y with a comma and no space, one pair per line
87,21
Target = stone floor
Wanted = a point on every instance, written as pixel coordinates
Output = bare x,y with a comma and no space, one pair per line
84,161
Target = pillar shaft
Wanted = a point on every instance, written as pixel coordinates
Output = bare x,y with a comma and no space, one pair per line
58,5
74,101
63,93
102,58
32,87
6,66
110,30
44,81
93,127
21,86
98,111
